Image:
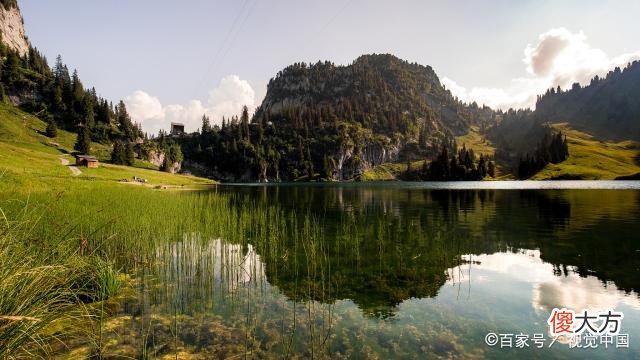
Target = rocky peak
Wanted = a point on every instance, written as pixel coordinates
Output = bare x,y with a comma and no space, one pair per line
12,28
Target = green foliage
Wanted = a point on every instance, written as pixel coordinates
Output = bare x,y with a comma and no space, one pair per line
30,161
83,142
491,169
173,154
118,155
607,108
552,149
43,283
457,167
123,153
372,105
55,93
592,159
95,280
129,154
52,129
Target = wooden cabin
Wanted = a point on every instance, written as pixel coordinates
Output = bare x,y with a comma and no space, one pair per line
177,129
87,161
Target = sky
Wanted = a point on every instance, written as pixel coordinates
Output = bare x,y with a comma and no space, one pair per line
176,60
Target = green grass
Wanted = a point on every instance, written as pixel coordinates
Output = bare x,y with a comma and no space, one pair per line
44,285
592,159
389,171
31,161
473,140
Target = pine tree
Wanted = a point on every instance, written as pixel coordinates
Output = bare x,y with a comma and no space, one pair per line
244,122
206,124
129,155
52,129
83,142
491,169
118,154
482,167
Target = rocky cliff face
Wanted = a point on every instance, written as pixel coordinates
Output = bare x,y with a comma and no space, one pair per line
351,163
157,159
12,30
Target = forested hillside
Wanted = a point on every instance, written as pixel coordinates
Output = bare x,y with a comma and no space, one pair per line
608,108
57,96
324,121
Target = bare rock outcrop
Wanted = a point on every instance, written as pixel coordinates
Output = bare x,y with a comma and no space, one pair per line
12,30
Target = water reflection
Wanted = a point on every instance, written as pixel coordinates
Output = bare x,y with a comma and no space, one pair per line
386,272
410,237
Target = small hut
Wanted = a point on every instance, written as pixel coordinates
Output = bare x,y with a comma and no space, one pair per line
86,160
177,129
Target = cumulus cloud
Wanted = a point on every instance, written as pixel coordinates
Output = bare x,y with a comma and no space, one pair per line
225,100
559,58
549,291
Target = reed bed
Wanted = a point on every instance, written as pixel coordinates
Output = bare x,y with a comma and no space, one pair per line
154,273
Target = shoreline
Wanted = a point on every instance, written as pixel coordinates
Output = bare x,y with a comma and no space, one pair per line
466,185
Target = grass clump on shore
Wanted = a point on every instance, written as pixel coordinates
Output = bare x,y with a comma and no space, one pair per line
43,288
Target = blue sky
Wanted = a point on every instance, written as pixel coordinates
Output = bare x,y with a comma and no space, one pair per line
174,59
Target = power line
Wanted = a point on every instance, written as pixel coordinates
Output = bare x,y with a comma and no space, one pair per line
223,44
232,42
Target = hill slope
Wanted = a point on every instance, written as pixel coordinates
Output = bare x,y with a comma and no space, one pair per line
597,118
608,108
29,160
591,159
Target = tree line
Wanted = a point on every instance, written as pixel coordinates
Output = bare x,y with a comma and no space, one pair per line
551,149
452,166
57,96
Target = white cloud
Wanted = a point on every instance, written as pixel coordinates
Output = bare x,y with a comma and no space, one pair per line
225,100
549,291
559,58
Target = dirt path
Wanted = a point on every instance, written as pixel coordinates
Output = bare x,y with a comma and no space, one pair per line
74,170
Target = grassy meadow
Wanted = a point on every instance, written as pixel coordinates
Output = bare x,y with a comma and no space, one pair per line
589,159
30,161
52,273
592,159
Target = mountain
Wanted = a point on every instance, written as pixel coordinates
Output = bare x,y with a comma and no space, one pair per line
608,108
12,27
323,121
602,121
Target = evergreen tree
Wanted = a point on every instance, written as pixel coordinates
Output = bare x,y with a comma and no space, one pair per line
52,129
491,169
244,122
206,124
173,155
482,167
83,141
118,154
129,154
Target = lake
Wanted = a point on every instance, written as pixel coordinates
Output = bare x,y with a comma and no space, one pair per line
383,270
